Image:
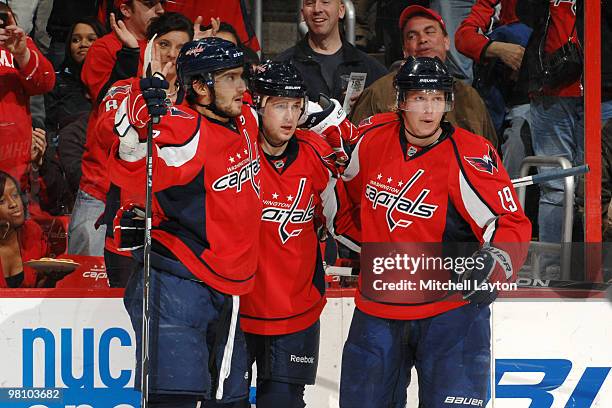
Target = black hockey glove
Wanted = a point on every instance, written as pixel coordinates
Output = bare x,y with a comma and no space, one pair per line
154,93
492,266
129,227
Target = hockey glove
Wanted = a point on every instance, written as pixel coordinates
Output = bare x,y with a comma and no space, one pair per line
492,265
129,227
154,93
328,119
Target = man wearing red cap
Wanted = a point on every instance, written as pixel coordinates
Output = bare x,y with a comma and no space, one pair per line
424,35
118,55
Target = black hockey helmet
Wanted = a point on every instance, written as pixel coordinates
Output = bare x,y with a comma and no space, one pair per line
276,79
424,74
200,59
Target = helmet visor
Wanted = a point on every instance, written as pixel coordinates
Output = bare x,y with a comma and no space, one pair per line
282,104
425,100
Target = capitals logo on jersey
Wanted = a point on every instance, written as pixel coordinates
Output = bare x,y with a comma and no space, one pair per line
395,201
286,214
244,170
487,163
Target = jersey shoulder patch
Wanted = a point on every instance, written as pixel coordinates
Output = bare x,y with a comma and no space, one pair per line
476,151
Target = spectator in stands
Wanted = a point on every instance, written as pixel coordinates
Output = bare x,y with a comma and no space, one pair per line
557,108
118,55
497,54
69,97
24,71
64,15
424,35
453,12
21,239
324,58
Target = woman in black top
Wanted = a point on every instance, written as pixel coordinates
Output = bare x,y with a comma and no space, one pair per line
69,98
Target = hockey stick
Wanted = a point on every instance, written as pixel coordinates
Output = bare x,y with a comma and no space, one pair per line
147,267
550,175
145,358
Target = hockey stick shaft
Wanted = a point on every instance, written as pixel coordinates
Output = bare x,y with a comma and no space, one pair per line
550,175
145,358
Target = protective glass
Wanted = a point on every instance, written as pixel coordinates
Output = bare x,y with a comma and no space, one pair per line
425,101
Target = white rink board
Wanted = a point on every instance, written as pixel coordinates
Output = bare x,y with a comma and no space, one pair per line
556,332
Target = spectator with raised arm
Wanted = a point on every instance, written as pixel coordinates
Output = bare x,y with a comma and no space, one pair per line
24,72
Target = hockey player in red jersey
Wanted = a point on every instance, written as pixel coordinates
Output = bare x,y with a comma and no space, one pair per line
206,215
419,180
168,33
301,193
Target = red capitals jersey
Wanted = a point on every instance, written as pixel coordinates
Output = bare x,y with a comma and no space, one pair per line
100,70
17,84
453,191
206,204
300,192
